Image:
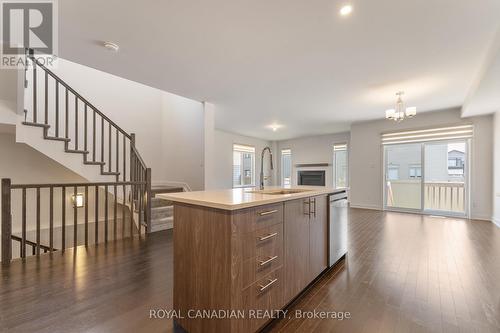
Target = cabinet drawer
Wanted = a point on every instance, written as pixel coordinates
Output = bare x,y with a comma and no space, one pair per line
265,294
254,218
263,242
258,267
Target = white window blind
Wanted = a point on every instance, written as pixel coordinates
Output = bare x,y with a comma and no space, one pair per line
432,134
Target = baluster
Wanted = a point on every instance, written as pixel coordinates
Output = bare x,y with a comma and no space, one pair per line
117,153
115,209
85,130
109,147
23,225
86,215
123,210
76,123
6,230
106,213
102,139
140,208
75,218
37,221
51,219
66,120
124,158
132,210
451,198
34,100
96,223
93,135
46,107
63,199
57,109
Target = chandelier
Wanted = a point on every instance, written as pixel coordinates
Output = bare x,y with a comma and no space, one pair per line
400,113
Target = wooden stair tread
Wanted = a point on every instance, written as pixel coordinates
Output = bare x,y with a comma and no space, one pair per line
166,189
73,151
54,138
28,123
93,163
112,173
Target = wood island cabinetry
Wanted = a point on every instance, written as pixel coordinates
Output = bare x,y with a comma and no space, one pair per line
239,261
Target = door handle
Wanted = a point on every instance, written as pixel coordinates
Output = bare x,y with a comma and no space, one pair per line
268,212
265,262
271,282
266,237
308,203
314,211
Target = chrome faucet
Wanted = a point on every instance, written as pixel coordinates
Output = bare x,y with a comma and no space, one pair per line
262,165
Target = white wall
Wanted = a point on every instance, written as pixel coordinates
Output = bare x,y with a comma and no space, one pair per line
496,193
209,142
313,149
169,128
366,158
223,157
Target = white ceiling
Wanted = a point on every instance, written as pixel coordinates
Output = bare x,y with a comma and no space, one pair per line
484,96
295,63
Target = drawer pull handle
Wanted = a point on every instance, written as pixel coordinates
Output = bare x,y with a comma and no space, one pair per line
268,212
263,238
271,282
265,262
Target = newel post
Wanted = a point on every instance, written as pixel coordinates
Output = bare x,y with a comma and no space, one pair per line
6,222
148,199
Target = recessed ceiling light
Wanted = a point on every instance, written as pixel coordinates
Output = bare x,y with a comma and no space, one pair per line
346,10
275,127
111,46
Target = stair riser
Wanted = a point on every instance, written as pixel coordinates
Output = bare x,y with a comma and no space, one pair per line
162,213
160,203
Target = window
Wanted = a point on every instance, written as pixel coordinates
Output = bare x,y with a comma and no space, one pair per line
340,163
415,171
456,159
393,172
243,166
286,167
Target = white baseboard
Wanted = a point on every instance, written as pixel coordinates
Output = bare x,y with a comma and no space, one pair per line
495,221
371,207
481,218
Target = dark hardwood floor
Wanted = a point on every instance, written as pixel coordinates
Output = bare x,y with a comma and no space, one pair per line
404,273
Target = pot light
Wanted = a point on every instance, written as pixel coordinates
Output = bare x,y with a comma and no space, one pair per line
111,46
346,10
274,127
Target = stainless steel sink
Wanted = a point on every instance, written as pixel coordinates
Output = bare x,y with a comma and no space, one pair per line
280,191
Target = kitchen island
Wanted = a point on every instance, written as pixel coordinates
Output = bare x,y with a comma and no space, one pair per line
241,255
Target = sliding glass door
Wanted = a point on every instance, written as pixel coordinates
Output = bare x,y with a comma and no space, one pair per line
403,176
445,177
428,177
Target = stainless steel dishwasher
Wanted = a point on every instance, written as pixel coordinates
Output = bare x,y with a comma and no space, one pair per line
338,215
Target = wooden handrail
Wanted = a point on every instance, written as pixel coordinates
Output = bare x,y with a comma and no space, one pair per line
80,97
49,185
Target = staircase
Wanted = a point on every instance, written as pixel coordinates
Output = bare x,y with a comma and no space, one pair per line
84,139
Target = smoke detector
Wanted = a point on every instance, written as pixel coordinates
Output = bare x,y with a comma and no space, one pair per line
111,46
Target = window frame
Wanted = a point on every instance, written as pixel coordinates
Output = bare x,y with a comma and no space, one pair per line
244,149
288,153
340,147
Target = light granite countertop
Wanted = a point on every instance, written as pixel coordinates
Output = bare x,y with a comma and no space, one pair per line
238,198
